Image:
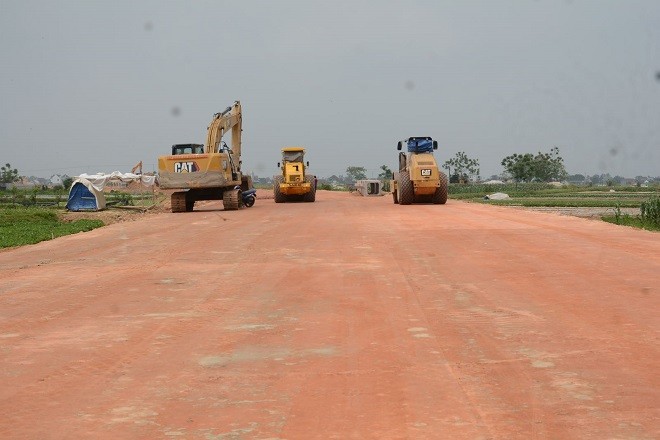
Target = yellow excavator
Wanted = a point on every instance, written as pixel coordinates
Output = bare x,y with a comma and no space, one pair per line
211,171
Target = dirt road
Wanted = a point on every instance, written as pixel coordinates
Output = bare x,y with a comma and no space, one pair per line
347,318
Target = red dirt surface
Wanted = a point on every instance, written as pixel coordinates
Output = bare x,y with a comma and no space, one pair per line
347,318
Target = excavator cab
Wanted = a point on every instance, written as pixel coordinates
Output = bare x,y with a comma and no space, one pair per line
178,149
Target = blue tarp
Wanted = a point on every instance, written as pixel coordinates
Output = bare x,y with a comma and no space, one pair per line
81,199
420,145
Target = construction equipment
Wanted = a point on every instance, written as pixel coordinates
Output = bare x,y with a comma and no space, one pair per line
419,179
207,172
294,184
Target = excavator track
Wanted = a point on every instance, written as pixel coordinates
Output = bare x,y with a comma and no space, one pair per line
178,200
231,199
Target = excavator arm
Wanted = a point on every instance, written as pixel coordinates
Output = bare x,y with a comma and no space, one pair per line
230,119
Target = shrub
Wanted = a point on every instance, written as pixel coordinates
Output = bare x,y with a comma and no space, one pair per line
650,211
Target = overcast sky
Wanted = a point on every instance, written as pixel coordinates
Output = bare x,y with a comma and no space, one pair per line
89,86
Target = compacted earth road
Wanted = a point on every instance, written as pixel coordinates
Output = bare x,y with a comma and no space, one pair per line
346,318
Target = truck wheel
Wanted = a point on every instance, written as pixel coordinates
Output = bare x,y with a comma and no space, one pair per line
406,192
311,195
440,195
279,197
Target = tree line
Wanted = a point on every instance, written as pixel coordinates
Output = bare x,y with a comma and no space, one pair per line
526,167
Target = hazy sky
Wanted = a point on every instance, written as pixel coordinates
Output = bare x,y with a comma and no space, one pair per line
89,86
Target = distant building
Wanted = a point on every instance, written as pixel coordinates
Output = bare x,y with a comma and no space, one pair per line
21,183
56,180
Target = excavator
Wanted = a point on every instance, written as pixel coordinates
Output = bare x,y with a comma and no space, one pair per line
208,172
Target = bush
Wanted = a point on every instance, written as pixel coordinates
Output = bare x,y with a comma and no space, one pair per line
650,211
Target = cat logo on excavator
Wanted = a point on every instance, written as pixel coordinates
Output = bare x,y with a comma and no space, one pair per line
185,167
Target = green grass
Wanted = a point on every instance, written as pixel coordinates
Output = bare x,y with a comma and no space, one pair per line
543,195
21,226
635,222
559,202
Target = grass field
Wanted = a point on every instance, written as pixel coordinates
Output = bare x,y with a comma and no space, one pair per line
634,221
21,226
544,195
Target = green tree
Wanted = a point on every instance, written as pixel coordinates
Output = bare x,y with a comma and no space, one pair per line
542,167
385,176
8,174
465,168
356,173
66,182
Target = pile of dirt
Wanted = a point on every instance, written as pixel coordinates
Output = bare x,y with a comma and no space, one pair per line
122,214
111,215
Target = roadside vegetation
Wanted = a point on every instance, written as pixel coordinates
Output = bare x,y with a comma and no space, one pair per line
29,216
649,217
57,198
20,226
571,196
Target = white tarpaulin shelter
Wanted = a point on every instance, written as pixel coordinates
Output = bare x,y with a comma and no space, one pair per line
86,193
83,196
99,179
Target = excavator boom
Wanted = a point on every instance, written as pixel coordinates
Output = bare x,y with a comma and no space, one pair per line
230,119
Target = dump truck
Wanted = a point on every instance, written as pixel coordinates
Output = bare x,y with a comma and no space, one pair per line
294,183
210,171
419,180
